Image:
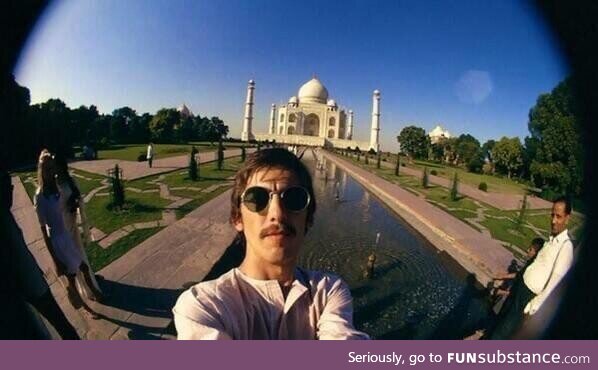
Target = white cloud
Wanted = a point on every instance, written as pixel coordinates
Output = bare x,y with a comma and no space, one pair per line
473,86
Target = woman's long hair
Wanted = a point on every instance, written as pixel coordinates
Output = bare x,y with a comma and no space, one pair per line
45,173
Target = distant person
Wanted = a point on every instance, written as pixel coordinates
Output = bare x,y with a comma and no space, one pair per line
73,204
23,288
539,279
268,296
150,154
60,243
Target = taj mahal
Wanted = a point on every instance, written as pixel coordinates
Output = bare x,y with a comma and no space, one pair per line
311,118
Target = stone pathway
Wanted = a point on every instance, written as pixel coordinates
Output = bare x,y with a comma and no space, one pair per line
498,200
134,170
144,283
475,251
168,215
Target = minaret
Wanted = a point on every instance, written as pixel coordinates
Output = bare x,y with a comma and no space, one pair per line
246,134
375,137
350,130
272,127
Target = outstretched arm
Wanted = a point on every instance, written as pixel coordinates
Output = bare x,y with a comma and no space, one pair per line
193,320
336,321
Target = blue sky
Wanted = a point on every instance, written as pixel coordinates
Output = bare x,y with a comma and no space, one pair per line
472,66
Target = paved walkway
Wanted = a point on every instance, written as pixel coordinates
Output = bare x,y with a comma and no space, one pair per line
498,200
143,284
475,251
134,170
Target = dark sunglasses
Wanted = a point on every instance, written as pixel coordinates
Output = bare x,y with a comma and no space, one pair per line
293,199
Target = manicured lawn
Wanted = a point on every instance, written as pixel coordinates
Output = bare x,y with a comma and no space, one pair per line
100,257
510,233
501,224
85,185
130,152
495,183
139,207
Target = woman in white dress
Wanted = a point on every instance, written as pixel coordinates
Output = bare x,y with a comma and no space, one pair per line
71,202
62,247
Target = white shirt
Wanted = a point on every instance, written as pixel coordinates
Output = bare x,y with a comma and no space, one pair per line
150,151
235,306
550,266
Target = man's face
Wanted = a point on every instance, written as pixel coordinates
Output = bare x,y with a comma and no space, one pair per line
559,218
274,235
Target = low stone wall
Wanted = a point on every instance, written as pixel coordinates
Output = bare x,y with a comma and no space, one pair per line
312,141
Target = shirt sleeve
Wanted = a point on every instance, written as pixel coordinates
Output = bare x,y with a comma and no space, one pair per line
563,262
194,320
336,321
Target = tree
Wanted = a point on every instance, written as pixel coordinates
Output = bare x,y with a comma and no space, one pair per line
243,154
425,178
554,122
220,155
398,164
487,150
521,216
120,122
378,160
414,142
193,164
508,155
118,191
468,150
455,187
163,124
139,131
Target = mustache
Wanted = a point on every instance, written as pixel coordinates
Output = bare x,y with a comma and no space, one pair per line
281,228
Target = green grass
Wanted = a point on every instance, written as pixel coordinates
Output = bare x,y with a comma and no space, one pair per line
139,207
495,184
510,233
85,185
132,151
100,257
198,200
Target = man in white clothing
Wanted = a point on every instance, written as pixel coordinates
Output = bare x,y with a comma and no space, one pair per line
268,296
150,154
541,277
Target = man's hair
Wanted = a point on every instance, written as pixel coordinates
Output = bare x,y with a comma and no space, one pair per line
565,200
538,243
277,158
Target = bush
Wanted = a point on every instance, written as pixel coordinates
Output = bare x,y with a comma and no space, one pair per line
371,151
402,164
433,173
483,186
142,157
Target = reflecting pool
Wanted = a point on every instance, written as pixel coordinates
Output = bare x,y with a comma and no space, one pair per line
416,292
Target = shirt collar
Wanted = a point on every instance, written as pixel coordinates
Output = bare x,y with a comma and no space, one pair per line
561,237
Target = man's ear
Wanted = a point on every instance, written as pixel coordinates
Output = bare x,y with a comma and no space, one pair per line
239,225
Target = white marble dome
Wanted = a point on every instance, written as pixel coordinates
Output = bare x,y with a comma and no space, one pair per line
313,91
331,103
293,100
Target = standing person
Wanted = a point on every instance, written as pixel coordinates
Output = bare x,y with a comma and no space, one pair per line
23,288
150,154
541,276
268,296
509,279
62,247
71,202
